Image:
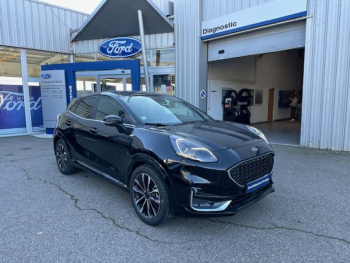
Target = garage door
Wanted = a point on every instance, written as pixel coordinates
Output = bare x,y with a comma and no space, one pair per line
273,39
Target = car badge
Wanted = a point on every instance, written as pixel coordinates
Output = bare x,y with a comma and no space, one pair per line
254,149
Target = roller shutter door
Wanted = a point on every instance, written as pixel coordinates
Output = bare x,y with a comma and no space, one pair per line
272,39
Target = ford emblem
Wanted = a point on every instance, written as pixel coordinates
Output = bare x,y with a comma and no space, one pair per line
254,149
120,47
45,76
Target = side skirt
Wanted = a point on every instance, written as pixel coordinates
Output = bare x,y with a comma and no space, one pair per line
100,173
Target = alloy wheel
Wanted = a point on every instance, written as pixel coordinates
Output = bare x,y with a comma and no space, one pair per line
62,159
146,195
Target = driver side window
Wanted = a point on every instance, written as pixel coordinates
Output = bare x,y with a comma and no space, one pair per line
108,106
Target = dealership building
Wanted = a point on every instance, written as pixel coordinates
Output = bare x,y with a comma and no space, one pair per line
202,51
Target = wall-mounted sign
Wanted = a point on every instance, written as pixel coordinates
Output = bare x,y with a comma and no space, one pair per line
203,94
261,15
53,93
120,47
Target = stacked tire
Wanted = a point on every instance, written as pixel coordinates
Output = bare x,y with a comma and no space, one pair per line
232,112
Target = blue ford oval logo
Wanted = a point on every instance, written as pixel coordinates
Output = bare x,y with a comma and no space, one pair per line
120,47
254,149
45,76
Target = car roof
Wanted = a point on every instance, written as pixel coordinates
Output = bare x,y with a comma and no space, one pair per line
132,93
124,93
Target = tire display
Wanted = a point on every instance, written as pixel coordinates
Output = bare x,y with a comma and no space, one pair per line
236,106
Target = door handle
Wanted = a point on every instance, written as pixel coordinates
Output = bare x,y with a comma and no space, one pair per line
93,130
68,123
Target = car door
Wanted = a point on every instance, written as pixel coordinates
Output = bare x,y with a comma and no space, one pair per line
109,144
81,121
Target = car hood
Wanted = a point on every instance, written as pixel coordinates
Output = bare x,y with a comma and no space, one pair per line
215,135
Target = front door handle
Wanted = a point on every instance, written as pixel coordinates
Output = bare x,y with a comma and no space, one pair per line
93,130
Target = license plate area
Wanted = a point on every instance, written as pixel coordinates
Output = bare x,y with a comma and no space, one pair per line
259,183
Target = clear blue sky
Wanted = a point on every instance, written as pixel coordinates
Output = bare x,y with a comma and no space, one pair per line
86,6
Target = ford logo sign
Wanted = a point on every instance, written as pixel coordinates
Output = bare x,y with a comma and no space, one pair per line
254,149
45,76
120,47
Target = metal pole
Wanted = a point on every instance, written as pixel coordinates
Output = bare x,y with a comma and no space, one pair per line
144,53
26,96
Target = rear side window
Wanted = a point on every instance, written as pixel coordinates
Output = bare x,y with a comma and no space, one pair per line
85,107
108,106
73,105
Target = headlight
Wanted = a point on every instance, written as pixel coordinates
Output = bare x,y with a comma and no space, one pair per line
258,132
192,150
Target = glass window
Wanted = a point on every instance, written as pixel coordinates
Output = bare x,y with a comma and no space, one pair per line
129,85
163,57
12,111
108,106
84,108
86,85
36,106
164,84
165,110
111,83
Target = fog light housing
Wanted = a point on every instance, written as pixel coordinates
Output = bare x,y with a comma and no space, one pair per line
202,205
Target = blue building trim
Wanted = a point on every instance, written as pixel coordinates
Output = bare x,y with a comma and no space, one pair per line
72,68
264,23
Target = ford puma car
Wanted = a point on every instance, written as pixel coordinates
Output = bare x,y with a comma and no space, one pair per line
171,157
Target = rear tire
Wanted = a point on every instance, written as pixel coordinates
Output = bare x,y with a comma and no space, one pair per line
63,158
149,195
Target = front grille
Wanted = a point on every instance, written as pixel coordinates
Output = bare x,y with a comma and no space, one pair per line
252,169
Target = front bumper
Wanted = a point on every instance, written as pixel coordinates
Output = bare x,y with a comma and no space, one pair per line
210,186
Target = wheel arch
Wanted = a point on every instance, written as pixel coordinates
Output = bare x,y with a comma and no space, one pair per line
145,159
59,136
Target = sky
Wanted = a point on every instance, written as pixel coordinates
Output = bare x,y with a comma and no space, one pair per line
86,6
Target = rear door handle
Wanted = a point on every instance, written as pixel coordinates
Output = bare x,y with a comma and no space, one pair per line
68,123
93,130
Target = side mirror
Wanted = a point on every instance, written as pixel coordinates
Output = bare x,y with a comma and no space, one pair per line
113,120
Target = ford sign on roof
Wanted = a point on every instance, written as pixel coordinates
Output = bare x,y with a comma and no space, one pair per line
120,47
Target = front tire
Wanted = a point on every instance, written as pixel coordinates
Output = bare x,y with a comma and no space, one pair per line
149,195
63,159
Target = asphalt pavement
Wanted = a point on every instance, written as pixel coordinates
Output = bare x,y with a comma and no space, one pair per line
48,217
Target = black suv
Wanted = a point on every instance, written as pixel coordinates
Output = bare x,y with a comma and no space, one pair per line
170,156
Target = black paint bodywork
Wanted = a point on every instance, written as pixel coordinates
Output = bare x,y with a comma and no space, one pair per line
118,151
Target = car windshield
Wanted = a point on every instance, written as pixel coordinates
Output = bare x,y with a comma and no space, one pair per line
163,110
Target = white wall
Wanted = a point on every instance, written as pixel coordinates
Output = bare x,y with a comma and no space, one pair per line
216,8
326,111
37,25
191,53
279,70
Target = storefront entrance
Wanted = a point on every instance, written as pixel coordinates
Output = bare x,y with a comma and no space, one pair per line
260,90
162,81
